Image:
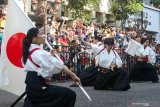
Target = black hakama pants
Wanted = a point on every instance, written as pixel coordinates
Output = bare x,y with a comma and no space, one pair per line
51,96
89,76
113,80
141,71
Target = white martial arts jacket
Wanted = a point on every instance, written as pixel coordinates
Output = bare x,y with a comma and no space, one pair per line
147,51
49,65
106,59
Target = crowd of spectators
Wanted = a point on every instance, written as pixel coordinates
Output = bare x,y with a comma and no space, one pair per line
63,35
3,12
64,38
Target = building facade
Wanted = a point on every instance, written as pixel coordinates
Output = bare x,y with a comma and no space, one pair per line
150,19
153,27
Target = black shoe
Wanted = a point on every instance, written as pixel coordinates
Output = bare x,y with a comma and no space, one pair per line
74,85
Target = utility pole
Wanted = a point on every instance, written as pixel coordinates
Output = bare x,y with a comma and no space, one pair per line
45,17
142,17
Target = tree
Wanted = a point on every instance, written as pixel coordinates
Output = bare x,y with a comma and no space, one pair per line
122,9
156,3
81,8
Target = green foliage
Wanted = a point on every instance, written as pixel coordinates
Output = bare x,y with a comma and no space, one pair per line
122,9
83,14
78,8
156,3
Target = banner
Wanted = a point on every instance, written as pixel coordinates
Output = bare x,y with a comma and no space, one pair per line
12,75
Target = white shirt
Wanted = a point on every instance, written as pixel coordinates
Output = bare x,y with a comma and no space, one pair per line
52,31
149,52
106,59
99,44
49,65
125,42
54,43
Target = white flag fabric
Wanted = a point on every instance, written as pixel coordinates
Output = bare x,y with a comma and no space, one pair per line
12,75
133,47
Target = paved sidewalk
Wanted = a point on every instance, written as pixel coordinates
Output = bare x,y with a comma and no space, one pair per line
144,94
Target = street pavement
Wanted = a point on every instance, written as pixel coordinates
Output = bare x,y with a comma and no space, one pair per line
141,94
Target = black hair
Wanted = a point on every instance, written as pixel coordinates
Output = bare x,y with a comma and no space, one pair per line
98,37
109,41
27,40
89,33
144,40
73,41
95,37
1,27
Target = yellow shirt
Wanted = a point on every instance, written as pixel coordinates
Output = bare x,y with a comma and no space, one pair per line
2,22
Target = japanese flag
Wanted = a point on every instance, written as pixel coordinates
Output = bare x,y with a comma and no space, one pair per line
12,75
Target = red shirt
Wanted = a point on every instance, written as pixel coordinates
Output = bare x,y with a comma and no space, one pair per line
63,41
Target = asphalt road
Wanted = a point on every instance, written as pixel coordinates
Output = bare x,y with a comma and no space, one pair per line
144,94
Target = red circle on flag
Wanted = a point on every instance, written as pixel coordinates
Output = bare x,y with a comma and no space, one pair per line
14,49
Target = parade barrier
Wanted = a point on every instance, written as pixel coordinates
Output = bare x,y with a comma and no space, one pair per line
78,58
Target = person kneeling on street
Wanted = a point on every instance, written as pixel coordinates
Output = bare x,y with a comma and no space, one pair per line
40,66
110,74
